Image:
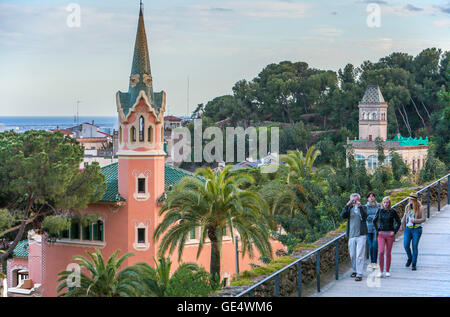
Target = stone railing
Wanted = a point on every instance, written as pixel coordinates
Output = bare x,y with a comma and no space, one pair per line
285,283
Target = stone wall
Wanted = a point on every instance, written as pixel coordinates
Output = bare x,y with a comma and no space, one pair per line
288,279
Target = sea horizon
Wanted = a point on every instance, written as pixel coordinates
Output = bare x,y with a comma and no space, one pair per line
25,123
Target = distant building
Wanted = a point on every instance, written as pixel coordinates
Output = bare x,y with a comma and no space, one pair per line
88,130
96,143
172,122
373,124
63,131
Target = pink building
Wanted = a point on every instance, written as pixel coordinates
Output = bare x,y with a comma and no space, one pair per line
135,188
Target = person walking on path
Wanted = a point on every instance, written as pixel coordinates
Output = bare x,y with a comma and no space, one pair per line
372,209
356,215
412,219
386,223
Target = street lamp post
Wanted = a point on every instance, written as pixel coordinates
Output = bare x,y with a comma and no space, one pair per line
237,255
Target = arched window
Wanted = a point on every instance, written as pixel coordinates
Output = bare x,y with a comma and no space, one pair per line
133,134
374,116
373,161
141,129
360,158
150,134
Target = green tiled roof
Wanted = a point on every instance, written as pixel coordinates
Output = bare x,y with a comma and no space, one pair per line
372,95
172,176
21,250
111,173
409,141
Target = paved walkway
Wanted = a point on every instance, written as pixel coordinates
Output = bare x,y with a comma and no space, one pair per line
432,277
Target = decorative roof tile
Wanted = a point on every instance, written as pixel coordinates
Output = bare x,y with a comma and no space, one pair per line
372,95
172,175
409,141
21,250
111,173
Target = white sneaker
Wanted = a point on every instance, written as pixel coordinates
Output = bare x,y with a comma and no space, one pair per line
388,274
379,274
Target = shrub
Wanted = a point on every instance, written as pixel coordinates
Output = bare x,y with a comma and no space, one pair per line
189,283
245,278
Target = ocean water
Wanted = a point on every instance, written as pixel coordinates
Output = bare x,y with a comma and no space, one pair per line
22,124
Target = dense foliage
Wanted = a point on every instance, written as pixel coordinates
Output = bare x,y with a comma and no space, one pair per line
106,279
416,88
214,204
40,177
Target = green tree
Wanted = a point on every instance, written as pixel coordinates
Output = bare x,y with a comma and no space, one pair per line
380,150
399,168
188,280
215,203
440,121
434,168
105,279
40,176
296,137
302,166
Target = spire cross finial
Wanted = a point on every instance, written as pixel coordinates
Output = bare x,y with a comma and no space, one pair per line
141,4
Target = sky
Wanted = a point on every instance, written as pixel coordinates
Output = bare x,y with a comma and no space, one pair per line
46,66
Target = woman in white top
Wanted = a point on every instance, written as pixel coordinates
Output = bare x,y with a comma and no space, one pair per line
411,222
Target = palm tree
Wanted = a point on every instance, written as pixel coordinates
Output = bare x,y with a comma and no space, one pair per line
158,282
105,280
297,195
214,204
284,199
301,167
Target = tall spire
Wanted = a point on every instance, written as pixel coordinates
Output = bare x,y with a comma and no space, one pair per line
141,82
141,76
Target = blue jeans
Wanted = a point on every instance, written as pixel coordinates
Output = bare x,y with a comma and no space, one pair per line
412,234
373,246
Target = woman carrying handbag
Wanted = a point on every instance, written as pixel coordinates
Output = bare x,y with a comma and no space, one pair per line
412,224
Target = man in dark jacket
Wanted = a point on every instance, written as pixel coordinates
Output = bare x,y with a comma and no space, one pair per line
356,215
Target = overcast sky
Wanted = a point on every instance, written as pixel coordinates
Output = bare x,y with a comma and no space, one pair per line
46,66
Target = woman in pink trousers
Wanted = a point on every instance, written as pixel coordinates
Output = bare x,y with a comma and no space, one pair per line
386,223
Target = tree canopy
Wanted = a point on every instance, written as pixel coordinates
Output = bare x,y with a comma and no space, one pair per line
288,92
40,177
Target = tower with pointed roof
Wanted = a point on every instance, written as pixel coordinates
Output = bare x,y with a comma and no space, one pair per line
141,149
372,124
372,115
